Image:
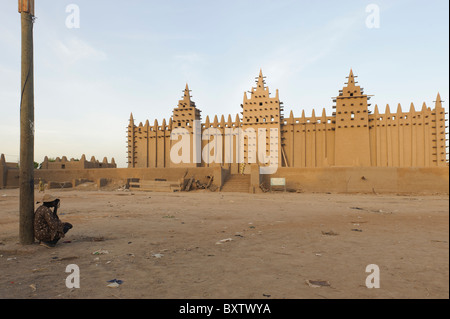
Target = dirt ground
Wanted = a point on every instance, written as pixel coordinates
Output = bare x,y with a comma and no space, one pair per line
168,245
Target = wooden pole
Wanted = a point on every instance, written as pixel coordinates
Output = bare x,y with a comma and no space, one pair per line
26,172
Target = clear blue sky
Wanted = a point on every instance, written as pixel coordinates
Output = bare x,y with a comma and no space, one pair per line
136,56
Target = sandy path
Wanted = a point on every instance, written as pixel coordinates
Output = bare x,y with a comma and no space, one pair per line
278,243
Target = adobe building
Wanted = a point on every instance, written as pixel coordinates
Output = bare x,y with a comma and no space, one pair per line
352,150
63,163
9,173
352,136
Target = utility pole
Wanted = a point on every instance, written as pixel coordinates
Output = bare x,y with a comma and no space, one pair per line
26,172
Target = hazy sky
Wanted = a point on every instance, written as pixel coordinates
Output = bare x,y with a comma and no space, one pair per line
137,56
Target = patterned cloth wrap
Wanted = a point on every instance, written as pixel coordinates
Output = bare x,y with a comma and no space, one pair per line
47,225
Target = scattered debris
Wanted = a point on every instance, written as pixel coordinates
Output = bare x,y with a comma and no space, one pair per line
264,188
11,258
317,283
357,208
33,287
39,269
189,184
224,241
100,252
358,230
268,296
208,185
329,233
117,281
113,285
213,188
157,255
193,183
68,258
92,239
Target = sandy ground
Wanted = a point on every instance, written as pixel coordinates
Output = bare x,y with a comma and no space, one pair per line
165,245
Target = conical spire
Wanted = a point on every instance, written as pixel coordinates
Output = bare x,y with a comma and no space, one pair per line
186,101
131,118
438,101
424,107
187,93
351,79
351,89
399,108
260,83
376,109
388,109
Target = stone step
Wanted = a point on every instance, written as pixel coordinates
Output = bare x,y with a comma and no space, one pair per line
237,183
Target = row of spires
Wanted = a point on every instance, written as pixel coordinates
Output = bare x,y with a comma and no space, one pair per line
291,115
83,158
207,121
261,86
412,108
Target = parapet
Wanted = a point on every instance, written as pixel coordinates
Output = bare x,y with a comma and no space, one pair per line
64,163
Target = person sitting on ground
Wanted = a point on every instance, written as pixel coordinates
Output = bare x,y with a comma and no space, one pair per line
48,228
